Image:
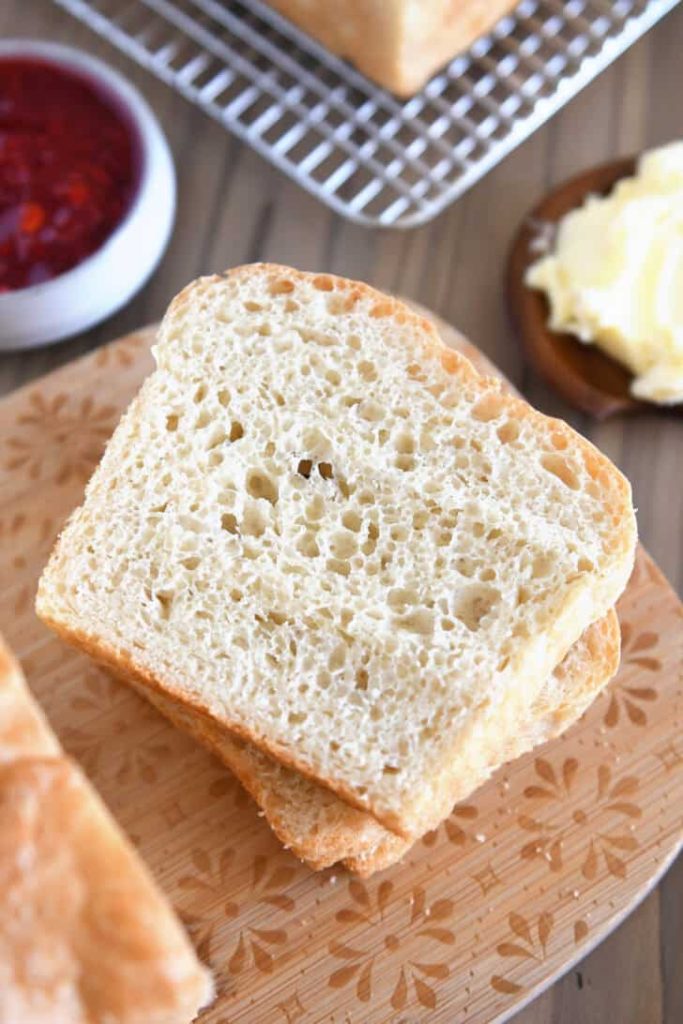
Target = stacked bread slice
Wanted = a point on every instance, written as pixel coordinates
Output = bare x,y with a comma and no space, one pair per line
359,571
85,934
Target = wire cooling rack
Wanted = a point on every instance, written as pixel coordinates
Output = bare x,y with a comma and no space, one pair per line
373,158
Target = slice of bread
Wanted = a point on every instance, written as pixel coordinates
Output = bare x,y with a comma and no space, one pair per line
85,934
321,829
320,527
24,729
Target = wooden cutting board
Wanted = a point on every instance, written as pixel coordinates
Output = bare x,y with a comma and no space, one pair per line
518,884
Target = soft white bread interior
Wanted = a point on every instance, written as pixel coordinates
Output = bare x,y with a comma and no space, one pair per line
86,937
323,529
321,829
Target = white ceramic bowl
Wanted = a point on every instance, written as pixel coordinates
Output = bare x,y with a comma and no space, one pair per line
106,280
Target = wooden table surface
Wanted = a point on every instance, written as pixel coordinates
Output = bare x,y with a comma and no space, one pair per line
233,209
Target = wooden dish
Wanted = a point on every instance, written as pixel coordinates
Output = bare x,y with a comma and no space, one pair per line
582,374
520,882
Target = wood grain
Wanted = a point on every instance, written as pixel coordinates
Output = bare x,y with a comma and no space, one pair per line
234,208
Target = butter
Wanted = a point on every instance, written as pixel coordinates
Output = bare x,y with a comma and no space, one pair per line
615,277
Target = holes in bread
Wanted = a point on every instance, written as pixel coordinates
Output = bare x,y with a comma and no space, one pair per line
341,303
371,543
323,283
224,397
474,603
165,602
317,338
172,421
332,377
305,468
420,519
229,523
323,680
253,523
381,310
200,394
405,444
343,545
190,563
489,407
371,410
419,621
561,468
405,463
281,286
352,521
508,432
217,438
316,508
361,680
236,431
337,658
260,485
401,597
541,566
367,370
307,545
341,567
252,307
354,342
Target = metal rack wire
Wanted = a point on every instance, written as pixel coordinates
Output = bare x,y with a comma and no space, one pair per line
373,158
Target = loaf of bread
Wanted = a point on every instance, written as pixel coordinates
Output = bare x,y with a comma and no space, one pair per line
322,529
399,44
321,829
86,937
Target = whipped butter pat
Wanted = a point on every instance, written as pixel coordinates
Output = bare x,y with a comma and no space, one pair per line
615,275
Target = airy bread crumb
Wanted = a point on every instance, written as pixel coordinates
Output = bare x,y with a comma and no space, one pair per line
319,527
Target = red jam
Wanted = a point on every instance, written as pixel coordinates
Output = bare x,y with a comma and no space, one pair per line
69,168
